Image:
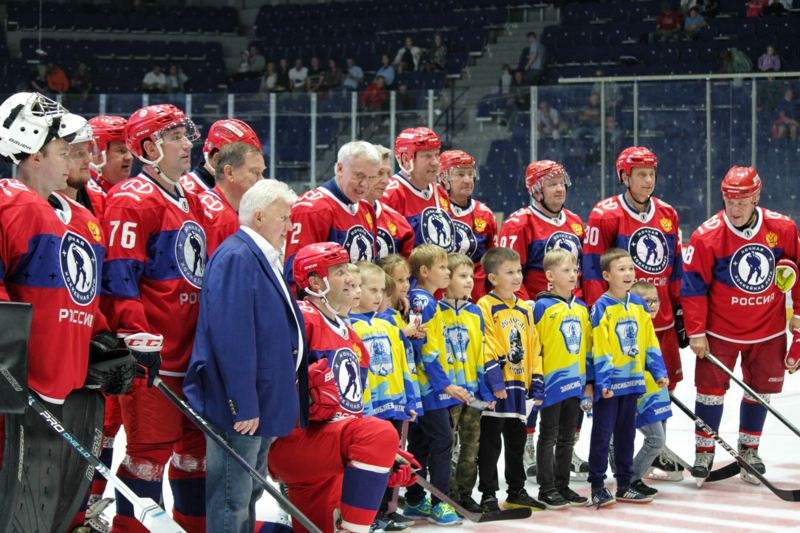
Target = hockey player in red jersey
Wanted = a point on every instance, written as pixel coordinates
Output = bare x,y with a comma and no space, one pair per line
414,192
112,163
532,232
474,224
338,468
239,166
647,228
82,151
395,235
733,305
151,284
336,210
220,133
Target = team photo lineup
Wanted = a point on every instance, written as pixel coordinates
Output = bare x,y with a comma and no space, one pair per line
375,353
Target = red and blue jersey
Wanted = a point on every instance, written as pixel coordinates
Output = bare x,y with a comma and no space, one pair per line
220,220
154,266
652,239
476,232
729,287
395,235
197,180
97,196
327,215
532,234
427,211
51,255
347,357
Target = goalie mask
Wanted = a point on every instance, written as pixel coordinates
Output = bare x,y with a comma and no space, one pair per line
28,121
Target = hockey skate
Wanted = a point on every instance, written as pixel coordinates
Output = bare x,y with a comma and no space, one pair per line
95,522
338,528
751,456
456,451
703,461
665,468
611,462
529,458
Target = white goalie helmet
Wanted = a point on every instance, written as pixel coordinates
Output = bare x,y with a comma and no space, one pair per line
28,121
75,129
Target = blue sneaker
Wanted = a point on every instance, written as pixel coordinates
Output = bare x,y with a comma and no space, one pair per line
444,515
421,511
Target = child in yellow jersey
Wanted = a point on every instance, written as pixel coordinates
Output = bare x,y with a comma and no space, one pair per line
565,331
624,344
355,291
513,372
397,268
654,409
464,334
392,395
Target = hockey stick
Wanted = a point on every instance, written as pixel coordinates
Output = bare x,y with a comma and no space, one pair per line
392,506
783,494
751,392
478,518
724,472
146,510
205,428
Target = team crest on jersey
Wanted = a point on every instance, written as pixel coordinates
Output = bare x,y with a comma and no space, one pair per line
392,228
94,230
753,268
190,252
567,241
385,243
465,240
457,342
649,250
419,302
369,220
380,356
516,352
577,228
772,240
359,244
480,225
348,380
78,268
571,330
437,228
628,332
666,224
443,203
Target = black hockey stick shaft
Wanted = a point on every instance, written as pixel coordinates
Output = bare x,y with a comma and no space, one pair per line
205,428
752,393
786,495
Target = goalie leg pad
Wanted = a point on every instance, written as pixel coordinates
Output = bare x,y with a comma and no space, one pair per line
46,480
15,330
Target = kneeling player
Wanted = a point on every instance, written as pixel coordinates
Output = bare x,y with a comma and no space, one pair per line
732,305
337,468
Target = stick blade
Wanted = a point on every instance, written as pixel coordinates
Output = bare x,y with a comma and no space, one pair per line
508,514
156,520
724,472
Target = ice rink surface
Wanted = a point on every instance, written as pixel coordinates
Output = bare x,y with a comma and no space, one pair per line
730,506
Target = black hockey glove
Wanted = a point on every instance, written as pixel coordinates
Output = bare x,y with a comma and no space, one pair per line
680,329
111,369
147,350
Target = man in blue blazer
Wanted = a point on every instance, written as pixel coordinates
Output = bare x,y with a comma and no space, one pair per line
248,374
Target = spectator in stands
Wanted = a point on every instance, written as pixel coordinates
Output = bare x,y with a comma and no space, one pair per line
775,9
176,80
769,60
667,25
520,100
734,61
407,58
548,123
505,80
283,83
334,76
691,26
437,55
755,8
39,79
376,98
534,68
613,91
258,63
57,81
154,82
709,8
81,81
269,79
686,6
405,98
353,76
789,116
613,135
589,117
770,92
315,76
386,70
297,76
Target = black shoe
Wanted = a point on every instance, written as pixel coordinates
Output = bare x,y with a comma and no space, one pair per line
398,518
601,497
523,499
470,505
489,504
644,489
631,495
553,500
572,497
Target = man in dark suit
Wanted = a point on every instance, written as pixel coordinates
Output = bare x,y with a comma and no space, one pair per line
248,374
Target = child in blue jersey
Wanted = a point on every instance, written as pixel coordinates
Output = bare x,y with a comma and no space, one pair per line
654,407
464,338
513,373
391,390
397,268
431,438
624,344
565,331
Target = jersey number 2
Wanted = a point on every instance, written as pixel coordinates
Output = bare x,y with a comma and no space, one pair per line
296,229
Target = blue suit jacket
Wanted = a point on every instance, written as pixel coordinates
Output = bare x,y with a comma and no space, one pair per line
245,349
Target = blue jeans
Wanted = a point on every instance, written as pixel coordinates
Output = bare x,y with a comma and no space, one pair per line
655,436
231,494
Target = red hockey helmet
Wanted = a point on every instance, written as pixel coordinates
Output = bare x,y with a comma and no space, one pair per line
223,132
151,123
452,159
106,130
539,171
741,182
635,157
415,140
317,257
